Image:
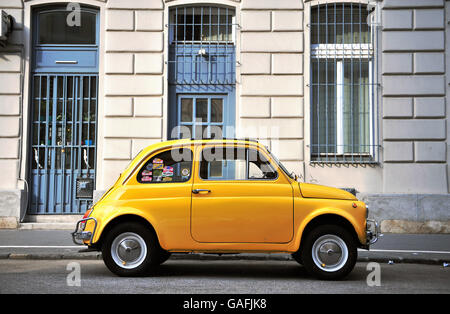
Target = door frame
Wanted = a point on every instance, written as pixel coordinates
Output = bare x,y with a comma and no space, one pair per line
30,32
24,154
173,90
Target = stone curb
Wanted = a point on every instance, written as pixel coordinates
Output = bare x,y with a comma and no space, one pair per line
404,260
211,257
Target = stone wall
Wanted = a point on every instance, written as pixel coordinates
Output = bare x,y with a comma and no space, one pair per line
414,103
270,102
133,83
11,80
272,99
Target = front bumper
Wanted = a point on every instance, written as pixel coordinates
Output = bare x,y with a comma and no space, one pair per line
79,236
373,232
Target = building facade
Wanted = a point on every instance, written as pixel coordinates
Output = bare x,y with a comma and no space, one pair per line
351,94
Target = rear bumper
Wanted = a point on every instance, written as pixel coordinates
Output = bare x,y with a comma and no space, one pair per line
80,236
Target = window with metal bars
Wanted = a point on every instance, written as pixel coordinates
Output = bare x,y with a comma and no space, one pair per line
201,42
343,85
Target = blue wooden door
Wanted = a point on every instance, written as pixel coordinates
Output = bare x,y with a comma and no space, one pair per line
63,112
202,115
202,72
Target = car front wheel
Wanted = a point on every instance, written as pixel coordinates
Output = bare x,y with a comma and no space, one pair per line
329,252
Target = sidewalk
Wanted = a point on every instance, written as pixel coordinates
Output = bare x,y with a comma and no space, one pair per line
391,248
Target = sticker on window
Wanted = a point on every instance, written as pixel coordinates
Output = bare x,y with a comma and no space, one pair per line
164,168
146,179
157,175
185,172
158,163
147,173
167,171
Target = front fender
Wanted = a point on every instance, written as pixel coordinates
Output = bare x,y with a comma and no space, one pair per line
356,221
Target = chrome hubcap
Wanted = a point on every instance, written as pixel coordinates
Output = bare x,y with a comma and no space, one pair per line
329,253
128,250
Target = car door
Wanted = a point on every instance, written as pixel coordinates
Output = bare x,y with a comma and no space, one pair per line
239,196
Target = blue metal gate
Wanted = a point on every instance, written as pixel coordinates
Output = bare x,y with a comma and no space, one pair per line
202,72
63,110
63,141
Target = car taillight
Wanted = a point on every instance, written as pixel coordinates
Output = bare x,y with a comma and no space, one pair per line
87,213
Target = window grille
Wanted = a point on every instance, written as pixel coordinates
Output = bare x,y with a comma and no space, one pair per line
343,85
202,45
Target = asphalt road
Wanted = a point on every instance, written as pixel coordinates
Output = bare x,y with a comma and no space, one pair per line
216,277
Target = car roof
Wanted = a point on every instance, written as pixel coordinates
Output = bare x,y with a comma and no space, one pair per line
184,142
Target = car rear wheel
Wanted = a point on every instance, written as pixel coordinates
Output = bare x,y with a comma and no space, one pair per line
329,252
163,256
131,249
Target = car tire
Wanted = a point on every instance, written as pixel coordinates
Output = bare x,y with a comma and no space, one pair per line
297,256
131,249
329,252
164,256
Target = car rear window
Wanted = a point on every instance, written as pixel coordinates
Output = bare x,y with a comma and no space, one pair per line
173,165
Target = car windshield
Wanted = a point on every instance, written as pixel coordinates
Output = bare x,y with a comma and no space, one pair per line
289,174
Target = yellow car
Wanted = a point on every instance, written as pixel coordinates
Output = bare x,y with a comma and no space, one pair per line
222,196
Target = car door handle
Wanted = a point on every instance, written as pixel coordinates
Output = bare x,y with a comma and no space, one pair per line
197,191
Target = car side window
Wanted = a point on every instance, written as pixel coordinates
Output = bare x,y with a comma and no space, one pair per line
173,165
259,167
219,163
